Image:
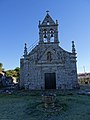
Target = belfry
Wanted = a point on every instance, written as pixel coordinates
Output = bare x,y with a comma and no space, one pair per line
48,30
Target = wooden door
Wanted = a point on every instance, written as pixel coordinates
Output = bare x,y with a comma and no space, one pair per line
50,81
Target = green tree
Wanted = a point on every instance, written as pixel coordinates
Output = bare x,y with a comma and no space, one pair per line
11,73
17,70
1,65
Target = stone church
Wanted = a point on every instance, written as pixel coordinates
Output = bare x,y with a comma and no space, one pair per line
47,65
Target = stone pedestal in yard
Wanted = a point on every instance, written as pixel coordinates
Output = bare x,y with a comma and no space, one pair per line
49,100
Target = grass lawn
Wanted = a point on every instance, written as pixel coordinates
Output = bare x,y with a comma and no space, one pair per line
28,106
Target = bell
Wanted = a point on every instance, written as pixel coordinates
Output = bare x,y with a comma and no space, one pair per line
51,35
45,36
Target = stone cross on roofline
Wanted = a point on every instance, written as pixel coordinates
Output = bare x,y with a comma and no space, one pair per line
47,11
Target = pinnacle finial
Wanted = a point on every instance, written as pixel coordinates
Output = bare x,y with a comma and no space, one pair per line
73,47
56,21
25,50
25,44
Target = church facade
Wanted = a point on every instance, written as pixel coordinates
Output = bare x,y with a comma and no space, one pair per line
47,65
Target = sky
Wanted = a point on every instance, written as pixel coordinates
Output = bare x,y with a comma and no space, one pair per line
19,25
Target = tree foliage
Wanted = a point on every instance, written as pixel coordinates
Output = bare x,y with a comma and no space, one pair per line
13,73
17,69
1,65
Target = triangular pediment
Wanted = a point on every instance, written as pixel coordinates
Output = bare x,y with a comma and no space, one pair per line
43,57
48,20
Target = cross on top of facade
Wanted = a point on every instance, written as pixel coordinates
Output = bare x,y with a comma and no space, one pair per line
47,11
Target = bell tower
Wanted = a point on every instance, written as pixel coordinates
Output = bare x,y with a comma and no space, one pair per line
48,30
